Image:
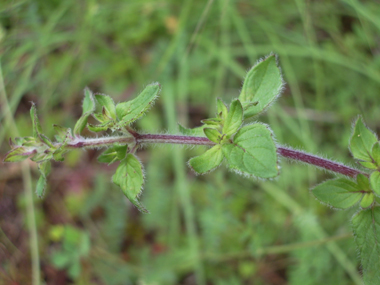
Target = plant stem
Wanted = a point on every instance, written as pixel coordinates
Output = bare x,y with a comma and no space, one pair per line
286,152
318,161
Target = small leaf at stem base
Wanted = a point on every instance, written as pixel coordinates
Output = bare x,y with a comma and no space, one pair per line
208,161
212,134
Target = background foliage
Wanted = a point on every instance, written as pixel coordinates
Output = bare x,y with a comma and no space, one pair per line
217,228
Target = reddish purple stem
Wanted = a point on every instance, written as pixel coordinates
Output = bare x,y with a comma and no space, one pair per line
285,152
190,140
318,161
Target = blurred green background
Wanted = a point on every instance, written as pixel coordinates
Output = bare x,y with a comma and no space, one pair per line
217,228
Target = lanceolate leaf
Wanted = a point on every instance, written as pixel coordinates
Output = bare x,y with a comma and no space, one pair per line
36,123
375,182
129,177
130,111
253,152
262,84
339,193
44,169
208,161
234,118
362,141
108,104
366,227
19,154
88,108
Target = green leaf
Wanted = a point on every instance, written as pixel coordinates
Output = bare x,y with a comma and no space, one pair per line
42,156
31,142
208,161
362,141
130,111
100,128
212,122
339,193
221,109
253,152
363,182
19,154
112,154
376,153
366,228
46,140
212,134
59,152
198,131
375,182
44,169
367,200
101,117
368,165
234,118
88,105
129,177
88,108
262,84
37,130
62,133
108,104
20,141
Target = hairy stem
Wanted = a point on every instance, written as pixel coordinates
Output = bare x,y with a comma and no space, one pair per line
318,161
139,139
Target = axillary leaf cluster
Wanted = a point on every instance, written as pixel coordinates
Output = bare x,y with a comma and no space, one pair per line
247,148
